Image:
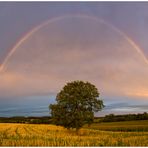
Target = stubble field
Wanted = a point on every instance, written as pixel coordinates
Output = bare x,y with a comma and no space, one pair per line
51,135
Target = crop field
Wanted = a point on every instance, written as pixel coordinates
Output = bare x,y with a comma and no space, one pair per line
51,135
126,126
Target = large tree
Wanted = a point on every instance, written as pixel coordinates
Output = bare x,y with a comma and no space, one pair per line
76,104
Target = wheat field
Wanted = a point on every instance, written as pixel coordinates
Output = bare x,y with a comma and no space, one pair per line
51,135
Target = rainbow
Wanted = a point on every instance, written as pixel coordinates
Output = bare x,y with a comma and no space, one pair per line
98,20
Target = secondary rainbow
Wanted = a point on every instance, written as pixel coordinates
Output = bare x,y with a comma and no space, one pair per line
98,20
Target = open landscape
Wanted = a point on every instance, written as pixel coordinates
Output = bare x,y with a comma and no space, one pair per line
127,133
74,73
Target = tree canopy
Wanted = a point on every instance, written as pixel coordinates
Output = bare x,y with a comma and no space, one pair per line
76,104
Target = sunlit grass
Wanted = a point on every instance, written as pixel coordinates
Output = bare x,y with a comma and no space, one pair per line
51,135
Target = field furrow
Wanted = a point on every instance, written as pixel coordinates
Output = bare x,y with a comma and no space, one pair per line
51,135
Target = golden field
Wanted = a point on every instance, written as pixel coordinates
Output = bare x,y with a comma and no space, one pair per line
51,135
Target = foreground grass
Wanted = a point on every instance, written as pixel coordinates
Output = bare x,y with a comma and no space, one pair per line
50,135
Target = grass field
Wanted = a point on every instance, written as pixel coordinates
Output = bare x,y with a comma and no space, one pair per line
50,135
126,126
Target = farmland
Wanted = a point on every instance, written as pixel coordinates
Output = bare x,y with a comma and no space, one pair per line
131,133
124,126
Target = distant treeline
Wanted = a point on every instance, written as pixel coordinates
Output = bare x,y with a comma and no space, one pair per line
48,119
127,117
30,120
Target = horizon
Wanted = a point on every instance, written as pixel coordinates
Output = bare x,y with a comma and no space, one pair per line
44,45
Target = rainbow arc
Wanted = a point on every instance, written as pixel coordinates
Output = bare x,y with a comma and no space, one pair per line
3,66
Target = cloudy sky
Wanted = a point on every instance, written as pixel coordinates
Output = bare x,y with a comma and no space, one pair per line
44,45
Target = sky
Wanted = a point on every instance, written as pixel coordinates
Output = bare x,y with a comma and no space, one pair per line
44,45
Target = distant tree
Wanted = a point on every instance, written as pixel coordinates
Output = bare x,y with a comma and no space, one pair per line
145,116
76,104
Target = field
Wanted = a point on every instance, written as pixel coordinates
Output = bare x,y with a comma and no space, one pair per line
99,134
125,126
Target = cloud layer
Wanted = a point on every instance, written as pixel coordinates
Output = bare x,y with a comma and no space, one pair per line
75,49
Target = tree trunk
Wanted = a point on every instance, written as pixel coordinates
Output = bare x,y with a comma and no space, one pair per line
77,131
89,125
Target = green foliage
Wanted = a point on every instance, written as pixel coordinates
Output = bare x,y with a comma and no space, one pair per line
76,104
30,120
127,117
